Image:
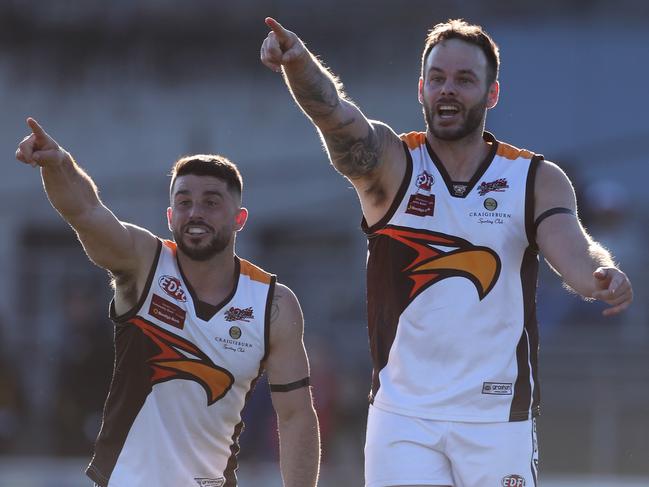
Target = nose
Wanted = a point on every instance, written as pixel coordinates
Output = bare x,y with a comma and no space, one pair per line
196,211
448,88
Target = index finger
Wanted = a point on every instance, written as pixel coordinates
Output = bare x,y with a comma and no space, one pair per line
36,128
276,27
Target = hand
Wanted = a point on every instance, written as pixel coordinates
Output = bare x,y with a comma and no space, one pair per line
614,288
39,149
280,47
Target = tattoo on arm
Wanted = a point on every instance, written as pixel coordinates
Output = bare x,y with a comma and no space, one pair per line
318,92
356,156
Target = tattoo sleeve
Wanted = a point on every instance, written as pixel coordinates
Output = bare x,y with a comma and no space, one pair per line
357,156
316,90
354,144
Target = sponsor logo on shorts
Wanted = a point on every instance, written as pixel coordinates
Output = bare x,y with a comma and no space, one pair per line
513,480
210,482
498,389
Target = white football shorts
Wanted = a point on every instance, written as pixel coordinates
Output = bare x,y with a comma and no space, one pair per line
403,450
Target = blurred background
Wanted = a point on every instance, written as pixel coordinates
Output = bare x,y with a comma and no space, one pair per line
129,86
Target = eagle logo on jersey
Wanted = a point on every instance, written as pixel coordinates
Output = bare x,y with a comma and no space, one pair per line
480,265
181,359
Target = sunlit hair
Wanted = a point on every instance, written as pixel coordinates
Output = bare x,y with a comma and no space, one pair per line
472,34
209,165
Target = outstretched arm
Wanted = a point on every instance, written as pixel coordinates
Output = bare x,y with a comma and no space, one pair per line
287,366
109,243
583,264
367,152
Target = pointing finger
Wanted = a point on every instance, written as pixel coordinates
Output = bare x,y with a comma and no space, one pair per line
600,273
36,128
19,156
276,27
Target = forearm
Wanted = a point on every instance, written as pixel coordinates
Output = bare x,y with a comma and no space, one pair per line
577,272
317,91
299,449
70,190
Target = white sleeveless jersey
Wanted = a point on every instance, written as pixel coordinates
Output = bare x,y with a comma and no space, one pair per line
451,281
182,376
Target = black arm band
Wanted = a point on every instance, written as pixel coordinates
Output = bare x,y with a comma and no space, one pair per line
290,387
550,212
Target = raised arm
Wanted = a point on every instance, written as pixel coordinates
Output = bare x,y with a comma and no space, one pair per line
287,368
583,264
117,247
367,152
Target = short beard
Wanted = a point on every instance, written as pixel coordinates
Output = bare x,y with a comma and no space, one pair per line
214,247
473,122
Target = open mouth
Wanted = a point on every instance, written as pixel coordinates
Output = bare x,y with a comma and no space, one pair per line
447,110
196,230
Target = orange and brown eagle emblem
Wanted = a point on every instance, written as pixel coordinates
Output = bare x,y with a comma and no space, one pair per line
181,359
480,265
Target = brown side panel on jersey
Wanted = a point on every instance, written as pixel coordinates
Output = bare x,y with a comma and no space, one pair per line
130,386
526,397
527,349
388,294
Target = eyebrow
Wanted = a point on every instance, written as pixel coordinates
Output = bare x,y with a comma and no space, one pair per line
209,192
461,71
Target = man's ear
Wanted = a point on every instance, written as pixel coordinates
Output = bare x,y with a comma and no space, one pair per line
241,218
420,89
169,214
494,93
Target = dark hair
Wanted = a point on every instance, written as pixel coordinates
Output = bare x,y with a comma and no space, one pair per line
209,165
473,34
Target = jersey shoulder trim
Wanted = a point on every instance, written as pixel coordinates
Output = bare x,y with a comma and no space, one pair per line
170,245
413,139
512,153
255,273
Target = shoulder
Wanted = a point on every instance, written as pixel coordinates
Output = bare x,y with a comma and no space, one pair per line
552,188
549,175
286,319
285,304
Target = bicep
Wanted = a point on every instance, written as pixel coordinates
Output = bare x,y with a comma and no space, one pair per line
559,233
287,365
111,244
372,157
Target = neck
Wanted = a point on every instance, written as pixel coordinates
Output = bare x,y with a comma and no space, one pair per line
213,279
462,157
